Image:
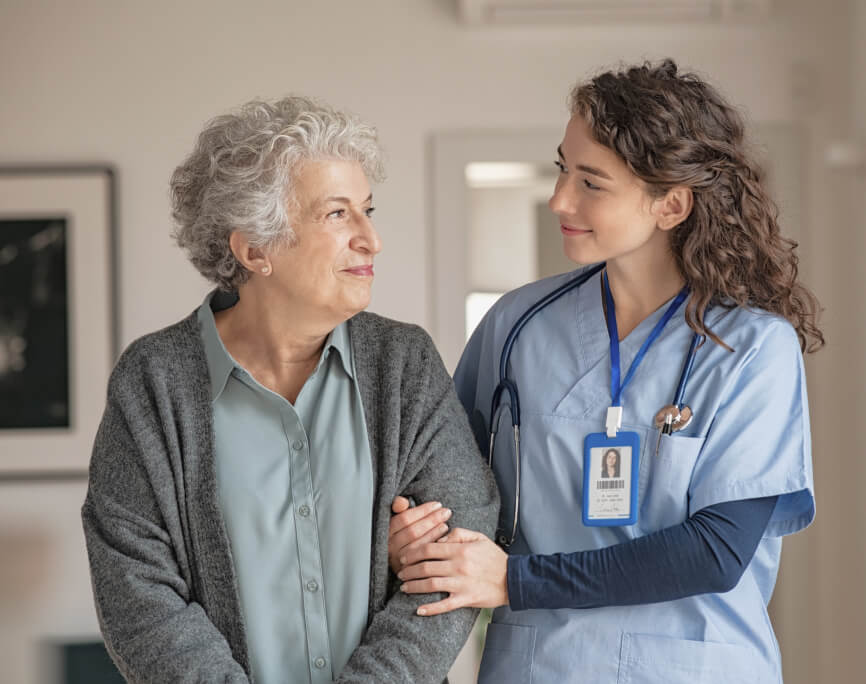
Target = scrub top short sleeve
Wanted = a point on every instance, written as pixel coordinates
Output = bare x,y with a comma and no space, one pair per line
466,378
758,443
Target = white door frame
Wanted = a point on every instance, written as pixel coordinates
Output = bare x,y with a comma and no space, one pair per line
451,152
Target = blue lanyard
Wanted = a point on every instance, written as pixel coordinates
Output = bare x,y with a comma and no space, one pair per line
616,389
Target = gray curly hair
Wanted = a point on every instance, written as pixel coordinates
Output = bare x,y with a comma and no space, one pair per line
240,176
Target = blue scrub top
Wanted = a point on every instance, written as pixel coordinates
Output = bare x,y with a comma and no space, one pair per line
749,438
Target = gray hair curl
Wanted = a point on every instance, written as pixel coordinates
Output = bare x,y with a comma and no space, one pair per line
240,176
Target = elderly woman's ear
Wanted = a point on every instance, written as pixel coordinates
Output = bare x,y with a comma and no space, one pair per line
251,258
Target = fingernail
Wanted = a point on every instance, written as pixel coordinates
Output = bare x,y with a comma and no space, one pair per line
446,514
403,588
402,560
422,611
400,575
437,505
442,529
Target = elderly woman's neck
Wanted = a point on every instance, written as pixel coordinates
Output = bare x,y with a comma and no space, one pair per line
277,343
277,328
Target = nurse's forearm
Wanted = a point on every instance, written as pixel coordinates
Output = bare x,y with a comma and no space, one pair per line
706,553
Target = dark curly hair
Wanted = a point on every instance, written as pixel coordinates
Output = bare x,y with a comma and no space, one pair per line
673,129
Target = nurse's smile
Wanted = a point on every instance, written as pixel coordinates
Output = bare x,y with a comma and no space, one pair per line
571,231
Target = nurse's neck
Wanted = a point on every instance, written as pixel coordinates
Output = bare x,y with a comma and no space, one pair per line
639,286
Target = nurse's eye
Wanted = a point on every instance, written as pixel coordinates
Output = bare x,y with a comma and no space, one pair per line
590,186
369,211
559,165
337,213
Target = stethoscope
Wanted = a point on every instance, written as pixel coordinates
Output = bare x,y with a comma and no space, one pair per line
671,418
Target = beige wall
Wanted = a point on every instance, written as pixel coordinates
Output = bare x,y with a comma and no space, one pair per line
501,244
131,84
830,634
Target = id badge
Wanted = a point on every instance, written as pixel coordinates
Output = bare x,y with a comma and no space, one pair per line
610,479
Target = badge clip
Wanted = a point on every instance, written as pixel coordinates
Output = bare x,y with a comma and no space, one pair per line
614,420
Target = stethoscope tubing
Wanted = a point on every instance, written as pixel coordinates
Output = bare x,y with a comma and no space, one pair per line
549,298
687,370
507,385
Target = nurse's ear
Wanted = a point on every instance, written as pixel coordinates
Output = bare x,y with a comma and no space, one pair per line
674,207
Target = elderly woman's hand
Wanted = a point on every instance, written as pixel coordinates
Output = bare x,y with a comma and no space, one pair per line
411,527
465,564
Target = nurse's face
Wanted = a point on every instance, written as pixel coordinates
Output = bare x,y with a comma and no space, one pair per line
604,210
611,458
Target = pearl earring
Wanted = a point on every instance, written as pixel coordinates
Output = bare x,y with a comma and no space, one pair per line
266,270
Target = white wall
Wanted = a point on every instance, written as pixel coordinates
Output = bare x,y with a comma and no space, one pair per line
502,243
132,83
45,591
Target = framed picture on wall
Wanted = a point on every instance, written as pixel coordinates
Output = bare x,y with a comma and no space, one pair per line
58,336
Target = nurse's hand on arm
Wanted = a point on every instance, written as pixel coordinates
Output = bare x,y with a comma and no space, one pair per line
467,565
411,527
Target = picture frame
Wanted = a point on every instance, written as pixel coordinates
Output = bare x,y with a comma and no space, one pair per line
58,315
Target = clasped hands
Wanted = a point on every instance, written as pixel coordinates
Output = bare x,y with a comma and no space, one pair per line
429,558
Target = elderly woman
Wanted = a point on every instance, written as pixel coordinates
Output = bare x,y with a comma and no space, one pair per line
237,515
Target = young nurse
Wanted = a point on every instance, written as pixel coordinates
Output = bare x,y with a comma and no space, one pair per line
661,571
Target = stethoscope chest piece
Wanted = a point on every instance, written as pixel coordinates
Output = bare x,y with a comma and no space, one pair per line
673,419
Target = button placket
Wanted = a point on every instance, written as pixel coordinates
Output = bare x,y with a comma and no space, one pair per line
309,557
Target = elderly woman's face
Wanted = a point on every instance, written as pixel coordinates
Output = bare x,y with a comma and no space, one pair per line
330,269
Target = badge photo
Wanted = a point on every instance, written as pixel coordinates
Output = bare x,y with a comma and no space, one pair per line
610,471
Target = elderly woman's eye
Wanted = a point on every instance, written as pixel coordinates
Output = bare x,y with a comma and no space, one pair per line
559,165
369,211
337,213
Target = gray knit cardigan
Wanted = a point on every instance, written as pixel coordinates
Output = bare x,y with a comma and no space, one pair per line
163,579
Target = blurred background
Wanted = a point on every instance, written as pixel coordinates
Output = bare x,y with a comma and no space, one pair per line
469,98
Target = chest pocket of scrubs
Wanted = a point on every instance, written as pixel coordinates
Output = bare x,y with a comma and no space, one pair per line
508,651
650,659
664,480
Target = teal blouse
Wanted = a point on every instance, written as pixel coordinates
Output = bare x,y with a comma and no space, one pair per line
295,486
